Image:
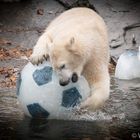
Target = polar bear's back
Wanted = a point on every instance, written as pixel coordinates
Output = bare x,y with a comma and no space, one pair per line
74,20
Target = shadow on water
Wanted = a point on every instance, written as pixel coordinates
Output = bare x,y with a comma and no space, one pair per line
30,129
119,119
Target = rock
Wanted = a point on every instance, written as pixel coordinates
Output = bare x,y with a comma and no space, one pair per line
77,3
40,11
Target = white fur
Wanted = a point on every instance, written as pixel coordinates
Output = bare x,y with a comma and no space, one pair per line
79,38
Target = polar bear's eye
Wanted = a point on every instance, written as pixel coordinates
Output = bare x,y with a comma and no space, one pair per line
62,66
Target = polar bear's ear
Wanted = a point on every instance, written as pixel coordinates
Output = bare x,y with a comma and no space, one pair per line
71,46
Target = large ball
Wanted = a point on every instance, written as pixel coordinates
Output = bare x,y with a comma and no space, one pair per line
41,95
128,65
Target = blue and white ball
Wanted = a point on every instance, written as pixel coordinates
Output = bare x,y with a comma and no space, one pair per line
41,95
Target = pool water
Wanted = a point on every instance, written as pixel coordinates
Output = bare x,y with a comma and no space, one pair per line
118,119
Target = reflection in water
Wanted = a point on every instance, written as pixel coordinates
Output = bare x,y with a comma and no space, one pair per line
119,118
53,129
68,130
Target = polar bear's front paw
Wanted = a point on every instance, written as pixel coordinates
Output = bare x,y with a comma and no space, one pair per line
92,103
36,59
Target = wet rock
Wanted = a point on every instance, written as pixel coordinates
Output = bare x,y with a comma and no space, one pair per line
40,11
134,40
120,16
77,3
117,40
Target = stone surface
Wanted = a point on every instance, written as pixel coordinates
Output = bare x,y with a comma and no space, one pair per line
119,15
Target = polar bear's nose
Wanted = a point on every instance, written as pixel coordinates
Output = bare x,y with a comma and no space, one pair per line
74,77
64,83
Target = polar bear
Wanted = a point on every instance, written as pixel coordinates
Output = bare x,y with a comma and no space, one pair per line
76,42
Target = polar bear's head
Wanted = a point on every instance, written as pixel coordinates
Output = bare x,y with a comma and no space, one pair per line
66,59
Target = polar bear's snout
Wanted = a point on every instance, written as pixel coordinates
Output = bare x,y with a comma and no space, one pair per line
74,77
64,83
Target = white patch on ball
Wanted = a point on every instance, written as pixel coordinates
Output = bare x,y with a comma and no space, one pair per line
41,95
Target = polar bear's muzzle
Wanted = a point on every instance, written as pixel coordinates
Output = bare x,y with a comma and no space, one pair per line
64,83
74,79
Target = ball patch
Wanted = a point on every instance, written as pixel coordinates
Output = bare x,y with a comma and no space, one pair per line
37,111
43,76
71,97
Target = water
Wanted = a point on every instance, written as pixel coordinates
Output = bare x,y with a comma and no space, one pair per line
119,119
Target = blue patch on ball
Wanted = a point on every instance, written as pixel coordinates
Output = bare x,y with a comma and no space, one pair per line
71,97
37,111
43,76
18,84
